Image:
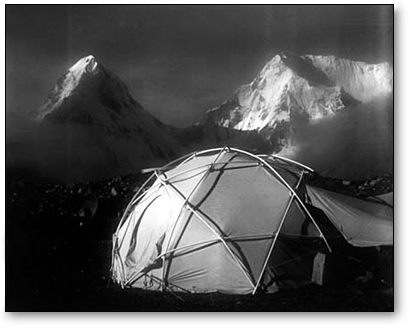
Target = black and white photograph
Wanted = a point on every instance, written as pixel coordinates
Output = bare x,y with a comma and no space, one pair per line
199,158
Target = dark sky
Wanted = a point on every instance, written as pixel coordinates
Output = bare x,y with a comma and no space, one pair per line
179,61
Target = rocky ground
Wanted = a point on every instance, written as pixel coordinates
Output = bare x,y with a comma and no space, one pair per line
58,256
360,188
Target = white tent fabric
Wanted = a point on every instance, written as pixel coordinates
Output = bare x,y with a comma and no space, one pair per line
362,223
229,221
210,222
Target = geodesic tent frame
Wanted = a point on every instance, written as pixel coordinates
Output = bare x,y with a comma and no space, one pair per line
164,254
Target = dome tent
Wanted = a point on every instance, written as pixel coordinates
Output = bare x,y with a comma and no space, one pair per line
217,220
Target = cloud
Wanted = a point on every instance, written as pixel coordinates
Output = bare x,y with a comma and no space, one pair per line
354,144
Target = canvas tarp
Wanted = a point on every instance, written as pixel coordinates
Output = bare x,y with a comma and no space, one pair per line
387,198
362,223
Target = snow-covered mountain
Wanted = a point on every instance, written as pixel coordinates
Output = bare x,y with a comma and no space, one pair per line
91,127
294,94
292,88
331,113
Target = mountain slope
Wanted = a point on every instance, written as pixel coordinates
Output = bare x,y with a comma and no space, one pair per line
314,102
307,87
365,82
91,128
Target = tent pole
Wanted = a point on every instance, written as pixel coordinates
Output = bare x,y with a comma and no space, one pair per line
115,235
140,193
143,193
186,200
186,160
186,203
316,225
113,251
216,234
129,221
291,190
122,270
183,158
206,166
173,285
189,157
203,152
265,264
136,276
131,202
164,184
284,159
194,246
224,243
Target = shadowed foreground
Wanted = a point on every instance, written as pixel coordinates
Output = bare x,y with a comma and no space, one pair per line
58,260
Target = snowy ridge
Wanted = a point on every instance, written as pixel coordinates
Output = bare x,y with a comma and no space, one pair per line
68,83
332,114
363,81
292,88
93,127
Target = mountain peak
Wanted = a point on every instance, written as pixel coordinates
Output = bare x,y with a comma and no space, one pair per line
66,84
86,64
301,66
292,88
92,124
